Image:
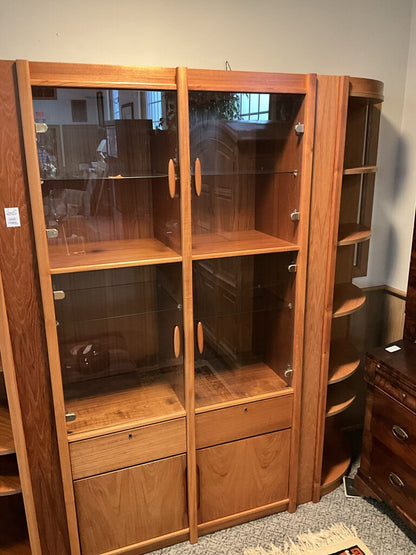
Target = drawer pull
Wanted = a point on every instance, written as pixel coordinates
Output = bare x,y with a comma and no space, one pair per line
399,433
171,178
198,177
396,480
200,337
176,341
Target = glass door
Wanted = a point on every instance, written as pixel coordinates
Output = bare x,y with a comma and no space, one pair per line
108,166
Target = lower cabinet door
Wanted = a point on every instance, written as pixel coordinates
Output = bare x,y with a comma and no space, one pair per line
242,475
132,505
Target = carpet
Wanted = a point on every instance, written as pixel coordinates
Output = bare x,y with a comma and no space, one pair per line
336,540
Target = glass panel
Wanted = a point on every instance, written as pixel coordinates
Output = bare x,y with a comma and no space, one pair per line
250,158
245,307
104,163
116,331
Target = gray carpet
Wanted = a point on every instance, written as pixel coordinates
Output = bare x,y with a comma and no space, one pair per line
378,527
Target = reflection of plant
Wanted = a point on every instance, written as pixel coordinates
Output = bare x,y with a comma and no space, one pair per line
218,105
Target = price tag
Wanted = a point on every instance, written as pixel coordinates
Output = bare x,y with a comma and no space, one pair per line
393,348
12,217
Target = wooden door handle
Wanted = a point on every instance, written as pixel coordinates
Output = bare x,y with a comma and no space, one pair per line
200,337
176,341
172,178
198,178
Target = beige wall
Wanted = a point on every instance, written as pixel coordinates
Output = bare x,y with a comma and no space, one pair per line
357,37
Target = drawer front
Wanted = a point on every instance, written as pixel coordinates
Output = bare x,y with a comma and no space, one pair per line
122,508
250,419
394,426
394,478
242,475
127,448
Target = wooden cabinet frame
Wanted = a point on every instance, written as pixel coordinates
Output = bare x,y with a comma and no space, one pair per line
325,118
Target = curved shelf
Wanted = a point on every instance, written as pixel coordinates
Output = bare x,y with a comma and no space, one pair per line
348,298
9,477
6,434
350,234
360,170
339,398
343,362
337,460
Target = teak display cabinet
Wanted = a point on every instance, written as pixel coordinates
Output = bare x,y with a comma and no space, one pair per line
177,219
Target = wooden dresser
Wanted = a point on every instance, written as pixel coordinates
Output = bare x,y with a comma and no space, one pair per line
388,461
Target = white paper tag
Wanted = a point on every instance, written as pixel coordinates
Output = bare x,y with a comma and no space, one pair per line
393,348
12,217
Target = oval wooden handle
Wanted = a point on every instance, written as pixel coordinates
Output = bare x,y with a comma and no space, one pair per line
200,337
171,178
198,179
176,341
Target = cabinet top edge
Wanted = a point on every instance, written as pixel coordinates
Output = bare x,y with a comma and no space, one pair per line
366,88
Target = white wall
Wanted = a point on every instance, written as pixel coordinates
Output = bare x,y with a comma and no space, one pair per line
357,37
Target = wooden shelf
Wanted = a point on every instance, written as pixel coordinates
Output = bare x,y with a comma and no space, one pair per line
336,460
360,170
343,362
236,243
350,234
339,398
112,254
220,388
6,434
116,402
347,299
9,476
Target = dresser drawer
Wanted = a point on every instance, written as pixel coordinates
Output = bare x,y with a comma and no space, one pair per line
127,448
395,426
250,419
394,478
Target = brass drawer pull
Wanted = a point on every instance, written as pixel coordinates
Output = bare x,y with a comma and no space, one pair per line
198,177
399,433
176,341
396,480
171,178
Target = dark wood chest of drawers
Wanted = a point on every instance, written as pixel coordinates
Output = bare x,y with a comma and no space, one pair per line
388,462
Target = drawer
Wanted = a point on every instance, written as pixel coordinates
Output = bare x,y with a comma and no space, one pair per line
396,480
127,448
395,426
250,419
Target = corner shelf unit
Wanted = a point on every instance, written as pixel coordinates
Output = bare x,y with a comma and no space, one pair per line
352,217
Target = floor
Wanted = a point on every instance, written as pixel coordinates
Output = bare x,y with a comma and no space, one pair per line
376,525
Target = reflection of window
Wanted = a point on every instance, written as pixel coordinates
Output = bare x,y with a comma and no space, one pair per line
154,107
254,106
116,104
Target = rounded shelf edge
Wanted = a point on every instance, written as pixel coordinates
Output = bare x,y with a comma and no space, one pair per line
348,298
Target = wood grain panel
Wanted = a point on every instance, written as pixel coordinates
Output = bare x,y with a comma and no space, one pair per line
242,475
21,290
217,80
131,505
88,75
248,419
127,448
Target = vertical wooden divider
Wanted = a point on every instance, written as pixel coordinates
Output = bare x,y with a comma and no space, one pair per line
186,234
32,167
306,176
332,94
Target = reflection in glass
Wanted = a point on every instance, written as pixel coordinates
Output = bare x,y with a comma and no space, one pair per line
106,155
250,160
244,309
116,340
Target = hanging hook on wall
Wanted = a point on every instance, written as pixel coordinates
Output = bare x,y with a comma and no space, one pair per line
227,66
